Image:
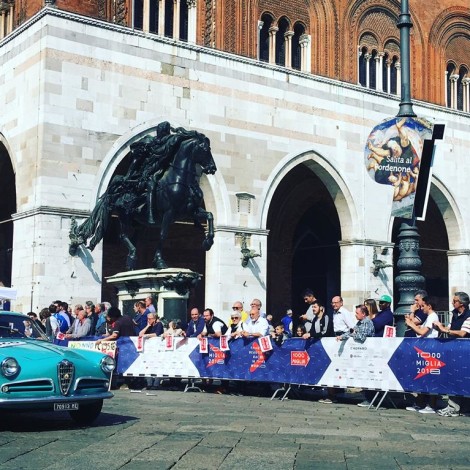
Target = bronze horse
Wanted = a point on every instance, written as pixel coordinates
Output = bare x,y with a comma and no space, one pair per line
162,187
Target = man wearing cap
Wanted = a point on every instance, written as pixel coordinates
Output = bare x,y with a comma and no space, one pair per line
384,317
287,322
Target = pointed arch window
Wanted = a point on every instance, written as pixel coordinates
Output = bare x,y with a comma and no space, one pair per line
373,70
363,64
281,41
299,31
462,87
266,23
394,68
385,74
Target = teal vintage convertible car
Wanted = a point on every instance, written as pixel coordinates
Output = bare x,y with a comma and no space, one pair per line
38,375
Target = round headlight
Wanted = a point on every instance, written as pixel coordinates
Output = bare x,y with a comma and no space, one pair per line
10,367
107,364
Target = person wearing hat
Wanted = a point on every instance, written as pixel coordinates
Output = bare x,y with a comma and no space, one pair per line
384,317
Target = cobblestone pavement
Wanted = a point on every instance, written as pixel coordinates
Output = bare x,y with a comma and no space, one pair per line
171,429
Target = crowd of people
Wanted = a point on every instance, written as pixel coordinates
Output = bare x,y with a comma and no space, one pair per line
370,319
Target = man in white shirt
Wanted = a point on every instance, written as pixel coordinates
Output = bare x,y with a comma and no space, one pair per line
256,326
342,318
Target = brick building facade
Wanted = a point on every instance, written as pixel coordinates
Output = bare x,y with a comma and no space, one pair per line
286,93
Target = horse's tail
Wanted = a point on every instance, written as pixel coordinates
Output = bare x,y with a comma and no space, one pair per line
95,226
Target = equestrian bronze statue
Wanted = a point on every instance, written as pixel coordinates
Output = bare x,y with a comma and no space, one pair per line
160,187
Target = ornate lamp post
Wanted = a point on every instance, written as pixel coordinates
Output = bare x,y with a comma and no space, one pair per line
409,278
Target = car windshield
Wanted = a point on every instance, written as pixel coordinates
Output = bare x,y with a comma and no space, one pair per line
14,326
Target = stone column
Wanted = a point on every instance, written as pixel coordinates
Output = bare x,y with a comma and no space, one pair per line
466,94
272,44
398,67
43,269
192,20
288,46
379,74
304,43
458,270
446,89
367,57
146,16
453,90
2,24
10,19
359,277
359,53
176,18
389,76
224,262
161,17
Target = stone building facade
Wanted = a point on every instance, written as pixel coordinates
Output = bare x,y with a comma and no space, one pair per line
287,96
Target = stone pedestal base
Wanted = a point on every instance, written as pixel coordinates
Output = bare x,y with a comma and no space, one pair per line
169,288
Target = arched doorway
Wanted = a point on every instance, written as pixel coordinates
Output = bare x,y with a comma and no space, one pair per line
182,249
7,208
433,247
303,250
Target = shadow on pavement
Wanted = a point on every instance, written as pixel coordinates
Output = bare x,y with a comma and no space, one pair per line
15,421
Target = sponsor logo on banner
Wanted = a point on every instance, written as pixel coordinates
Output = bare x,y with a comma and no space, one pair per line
169,343
216,356
428,363
299,358
140,344
106,347
203,345
265,343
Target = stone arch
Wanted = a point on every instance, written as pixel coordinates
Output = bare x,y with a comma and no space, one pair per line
449,38
8,206
334,182
301,191
353,19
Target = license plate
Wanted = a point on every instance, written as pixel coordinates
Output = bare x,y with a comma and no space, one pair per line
65,406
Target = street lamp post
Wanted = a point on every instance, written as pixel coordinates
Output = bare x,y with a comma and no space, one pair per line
409,278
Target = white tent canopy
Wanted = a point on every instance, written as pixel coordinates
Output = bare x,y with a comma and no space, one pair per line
7,293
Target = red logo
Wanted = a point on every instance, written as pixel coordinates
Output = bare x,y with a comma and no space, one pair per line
299,358
428,363
218,358
260,361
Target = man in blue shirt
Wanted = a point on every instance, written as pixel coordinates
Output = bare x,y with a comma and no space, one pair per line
384,317
196,324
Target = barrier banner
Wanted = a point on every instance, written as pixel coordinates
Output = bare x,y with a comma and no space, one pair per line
436,366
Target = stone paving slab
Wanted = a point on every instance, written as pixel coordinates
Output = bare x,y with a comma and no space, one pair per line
179,431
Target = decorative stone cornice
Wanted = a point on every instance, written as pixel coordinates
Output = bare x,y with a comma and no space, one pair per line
49,210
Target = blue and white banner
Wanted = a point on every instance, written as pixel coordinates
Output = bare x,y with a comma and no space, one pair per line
397,364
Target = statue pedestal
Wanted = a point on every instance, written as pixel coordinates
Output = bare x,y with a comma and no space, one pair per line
169,287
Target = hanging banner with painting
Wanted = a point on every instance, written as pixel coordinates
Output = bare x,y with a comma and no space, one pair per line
393,155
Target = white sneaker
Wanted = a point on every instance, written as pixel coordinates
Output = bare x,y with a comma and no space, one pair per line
427,410
412,408
445,410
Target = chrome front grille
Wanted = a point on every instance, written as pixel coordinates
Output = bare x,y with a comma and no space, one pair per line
65,371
